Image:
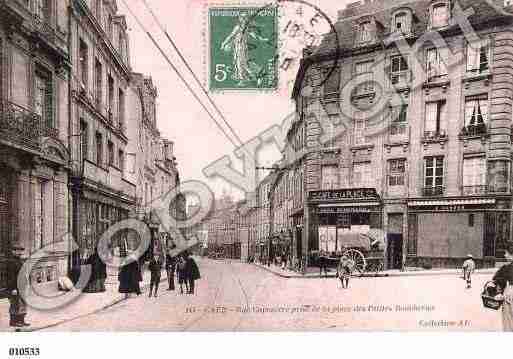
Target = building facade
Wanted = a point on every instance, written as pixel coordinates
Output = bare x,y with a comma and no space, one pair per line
102,193
34,132
431,168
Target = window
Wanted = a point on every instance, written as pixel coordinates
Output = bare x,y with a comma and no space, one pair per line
329,177
121,109
471,219
476,115
365,68
474,175
399,123
435,64
98,81
364,32
360,128
84,139
110,150
396,171
398,70
433,176
478,55
498,174
121,157
362,175
82,55
43,97
99,149
401,23
440,16
435,119
111,97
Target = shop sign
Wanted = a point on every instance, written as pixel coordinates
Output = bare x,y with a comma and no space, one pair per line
449,208
346,194
330,210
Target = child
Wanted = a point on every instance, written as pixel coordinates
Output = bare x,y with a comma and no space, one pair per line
155,270
345,269
468,268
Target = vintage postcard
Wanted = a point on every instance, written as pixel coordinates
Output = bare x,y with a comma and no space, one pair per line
274,165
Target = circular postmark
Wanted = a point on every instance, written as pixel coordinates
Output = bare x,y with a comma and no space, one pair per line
301,29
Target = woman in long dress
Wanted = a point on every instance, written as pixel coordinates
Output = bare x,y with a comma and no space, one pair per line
504,280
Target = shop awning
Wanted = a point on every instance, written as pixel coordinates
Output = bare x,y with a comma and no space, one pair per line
453,202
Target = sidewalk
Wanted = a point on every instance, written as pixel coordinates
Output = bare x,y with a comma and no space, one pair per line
85,304
313,272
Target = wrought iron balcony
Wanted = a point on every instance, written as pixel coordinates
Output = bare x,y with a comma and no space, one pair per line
475,190
50,132
433,191
474,130
19,125
435,135
45,29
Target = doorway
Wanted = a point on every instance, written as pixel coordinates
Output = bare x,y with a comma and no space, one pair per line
395,250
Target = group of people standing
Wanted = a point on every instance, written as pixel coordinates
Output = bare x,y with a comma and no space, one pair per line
183,265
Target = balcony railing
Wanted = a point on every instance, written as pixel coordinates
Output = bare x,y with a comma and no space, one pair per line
45,29
20,125
398,129
50,132
474,130
475,190
435,135
433,191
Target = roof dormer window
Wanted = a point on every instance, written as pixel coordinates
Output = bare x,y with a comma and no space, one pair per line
364,32
440,15
401,22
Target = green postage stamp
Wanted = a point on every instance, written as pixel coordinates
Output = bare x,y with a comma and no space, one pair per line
243,48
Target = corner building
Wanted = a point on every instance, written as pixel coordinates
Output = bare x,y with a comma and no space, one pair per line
432,169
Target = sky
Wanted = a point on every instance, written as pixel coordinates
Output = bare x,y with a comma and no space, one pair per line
198,142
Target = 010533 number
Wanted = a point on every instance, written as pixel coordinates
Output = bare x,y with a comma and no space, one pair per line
24,351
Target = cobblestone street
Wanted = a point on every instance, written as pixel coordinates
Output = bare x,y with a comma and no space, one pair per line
242,297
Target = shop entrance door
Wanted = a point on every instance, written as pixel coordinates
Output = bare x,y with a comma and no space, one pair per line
299,243
395,250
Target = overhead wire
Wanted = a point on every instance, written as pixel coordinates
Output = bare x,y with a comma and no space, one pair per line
179,74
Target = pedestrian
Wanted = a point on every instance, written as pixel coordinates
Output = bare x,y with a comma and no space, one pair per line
182,278
469,266
191,271
504,281
155,272
98,273
129,277
170,269
17,305
344,270
323,264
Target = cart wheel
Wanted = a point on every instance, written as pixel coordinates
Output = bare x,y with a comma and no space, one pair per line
358,259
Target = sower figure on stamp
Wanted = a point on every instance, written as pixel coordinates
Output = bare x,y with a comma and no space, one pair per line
170,269
17,305
155,272
503,278
469,267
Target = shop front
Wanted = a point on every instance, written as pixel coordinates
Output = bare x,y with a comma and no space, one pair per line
442,232
342,219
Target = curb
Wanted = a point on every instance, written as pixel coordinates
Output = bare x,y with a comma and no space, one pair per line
104,307
377,275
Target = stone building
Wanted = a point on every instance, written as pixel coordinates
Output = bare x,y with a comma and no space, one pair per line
102,193
408,132
34,133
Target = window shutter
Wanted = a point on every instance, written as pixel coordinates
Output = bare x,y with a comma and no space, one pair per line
431,109
472,56
48,102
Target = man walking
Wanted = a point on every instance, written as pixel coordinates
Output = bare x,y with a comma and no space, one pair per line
191,271
155,267
469,266
170,269
17,305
